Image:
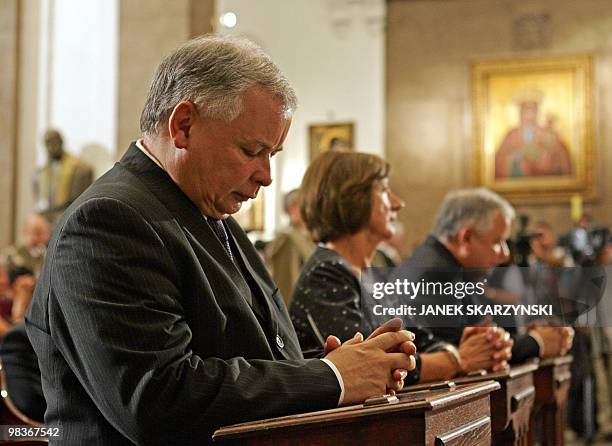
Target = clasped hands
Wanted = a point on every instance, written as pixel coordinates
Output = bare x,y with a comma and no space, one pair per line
557,341
485,348
376,365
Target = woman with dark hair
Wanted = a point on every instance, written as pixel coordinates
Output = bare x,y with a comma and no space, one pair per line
349,208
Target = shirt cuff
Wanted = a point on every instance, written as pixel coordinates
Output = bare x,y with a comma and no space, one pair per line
338,376
536,337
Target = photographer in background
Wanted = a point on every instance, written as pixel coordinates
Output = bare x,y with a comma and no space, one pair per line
544,248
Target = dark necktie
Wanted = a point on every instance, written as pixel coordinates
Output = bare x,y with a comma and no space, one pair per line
219,229
257,297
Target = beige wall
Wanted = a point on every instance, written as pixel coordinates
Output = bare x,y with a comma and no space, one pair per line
430,46
8,98
149,29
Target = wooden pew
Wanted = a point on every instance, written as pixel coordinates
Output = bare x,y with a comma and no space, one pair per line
552,382
512,404
451,415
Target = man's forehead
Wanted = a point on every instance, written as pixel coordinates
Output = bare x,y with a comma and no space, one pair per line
504,225
268,136
260,133
500,227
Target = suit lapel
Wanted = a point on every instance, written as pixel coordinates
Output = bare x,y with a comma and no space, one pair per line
278,323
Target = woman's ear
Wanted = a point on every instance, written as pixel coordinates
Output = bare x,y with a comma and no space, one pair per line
179,124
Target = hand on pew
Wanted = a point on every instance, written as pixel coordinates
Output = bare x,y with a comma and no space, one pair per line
373,366
398,375
333,342
488,348
394,324
554,341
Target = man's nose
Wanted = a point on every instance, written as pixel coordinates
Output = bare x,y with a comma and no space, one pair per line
504,252
263,173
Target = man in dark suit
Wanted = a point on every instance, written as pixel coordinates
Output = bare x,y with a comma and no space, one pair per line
467,241
154,320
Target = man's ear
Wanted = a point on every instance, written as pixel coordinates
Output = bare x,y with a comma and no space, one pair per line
464,235
182,118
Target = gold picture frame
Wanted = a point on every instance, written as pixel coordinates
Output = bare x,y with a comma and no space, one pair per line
532,128
330,136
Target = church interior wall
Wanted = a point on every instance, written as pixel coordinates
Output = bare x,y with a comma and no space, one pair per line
429,51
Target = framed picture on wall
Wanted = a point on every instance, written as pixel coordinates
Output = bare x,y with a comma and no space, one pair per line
532,128
251,214
324,137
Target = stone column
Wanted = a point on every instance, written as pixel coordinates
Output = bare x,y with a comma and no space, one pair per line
9,40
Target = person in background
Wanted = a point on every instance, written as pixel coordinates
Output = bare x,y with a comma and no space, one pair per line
549,276
59,182
506,286
16,289
22,285
288,252
6,298
467,241
349,208
30,253
579,241
544,249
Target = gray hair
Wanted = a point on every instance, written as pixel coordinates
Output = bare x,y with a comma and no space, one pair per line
290,198
474,207
213,72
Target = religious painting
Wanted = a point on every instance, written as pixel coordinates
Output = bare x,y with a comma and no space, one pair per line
324,137
251,214
532,128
